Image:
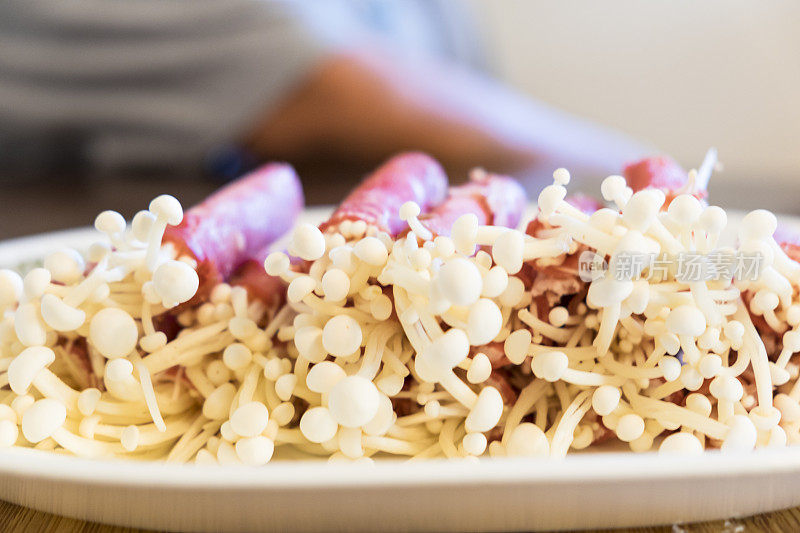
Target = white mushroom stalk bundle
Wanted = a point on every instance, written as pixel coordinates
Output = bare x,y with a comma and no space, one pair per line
417,323
102,355
79,345
662,358
677,353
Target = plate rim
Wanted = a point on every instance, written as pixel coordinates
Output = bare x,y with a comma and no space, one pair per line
314,474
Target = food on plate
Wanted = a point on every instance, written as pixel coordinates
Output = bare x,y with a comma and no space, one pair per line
418,321
411,177
236,224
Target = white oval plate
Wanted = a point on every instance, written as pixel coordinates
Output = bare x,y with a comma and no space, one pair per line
595,489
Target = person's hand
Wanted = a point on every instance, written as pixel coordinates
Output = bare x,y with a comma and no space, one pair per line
366,106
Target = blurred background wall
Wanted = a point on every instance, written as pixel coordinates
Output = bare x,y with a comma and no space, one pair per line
682,74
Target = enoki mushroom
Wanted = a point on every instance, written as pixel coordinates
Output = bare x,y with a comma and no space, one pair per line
420,346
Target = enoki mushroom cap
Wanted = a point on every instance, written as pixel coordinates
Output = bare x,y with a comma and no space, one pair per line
641,210
550,198
528,440
10,288
741,436
484,322
486,412
561,176
605,399
516,345
118,370
60,316
88,400
237,356
639,297
277,263
42,419
409,210
307,243
670,367
35,283
632,242
444,353
323,376
26,366
176,282
460,281
255,451
788,406
713,219
250,419
341,335
793,315
612,186
558,316
300,287
336,284
550,366
113,333
110,222
508,250
604,219
686,320
65,265
353,401
734,330
764,301
371,251
479,369
9,433
317,425
141,224
758,225
167,208
630,427
474,443
608,291
28,325
681,443
464,233
684,210
709,365
218,403
791,340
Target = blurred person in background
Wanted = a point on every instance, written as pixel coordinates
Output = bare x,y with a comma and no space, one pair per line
222,84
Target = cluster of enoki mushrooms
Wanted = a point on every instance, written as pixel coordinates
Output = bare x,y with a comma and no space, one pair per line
416,322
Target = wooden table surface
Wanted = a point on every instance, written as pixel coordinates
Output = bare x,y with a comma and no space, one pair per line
14,518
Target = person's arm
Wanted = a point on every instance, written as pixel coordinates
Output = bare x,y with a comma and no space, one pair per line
367,105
